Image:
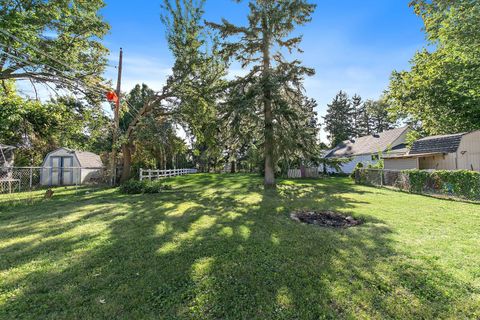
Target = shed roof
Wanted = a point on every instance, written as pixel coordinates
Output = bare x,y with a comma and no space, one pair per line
444,143
88,159
85,159
367,144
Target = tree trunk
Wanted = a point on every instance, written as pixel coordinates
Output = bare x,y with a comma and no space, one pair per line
127,162
233,167
269,178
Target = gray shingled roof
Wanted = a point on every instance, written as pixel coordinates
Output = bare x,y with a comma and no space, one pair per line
88,159
367,144
443,144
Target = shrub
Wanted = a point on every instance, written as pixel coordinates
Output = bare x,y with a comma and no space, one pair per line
359,165
460,183
417,180
145,186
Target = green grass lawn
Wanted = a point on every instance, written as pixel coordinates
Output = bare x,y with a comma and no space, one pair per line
219,247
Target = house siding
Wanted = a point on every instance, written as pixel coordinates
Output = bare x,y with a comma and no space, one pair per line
400,163
468,153
438,162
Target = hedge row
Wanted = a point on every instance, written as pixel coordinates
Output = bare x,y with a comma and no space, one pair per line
459,183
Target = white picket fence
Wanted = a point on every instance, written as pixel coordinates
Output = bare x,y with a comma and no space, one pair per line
307,173
152,174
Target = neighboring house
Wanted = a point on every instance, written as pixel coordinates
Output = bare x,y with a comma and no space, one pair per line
70,167
366,149
445,152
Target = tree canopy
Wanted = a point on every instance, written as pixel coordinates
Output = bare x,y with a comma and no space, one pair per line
37,128
273,87
441,92
348,118
55,43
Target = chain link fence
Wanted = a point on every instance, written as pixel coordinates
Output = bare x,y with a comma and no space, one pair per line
21,179
462,184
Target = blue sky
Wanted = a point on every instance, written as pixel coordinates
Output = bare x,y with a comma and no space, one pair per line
353,45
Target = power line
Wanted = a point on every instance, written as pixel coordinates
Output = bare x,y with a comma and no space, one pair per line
43,53
99,94
30,63
61,73
36,49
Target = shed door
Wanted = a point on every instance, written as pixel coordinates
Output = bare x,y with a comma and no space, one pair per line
56,163
61,171
67,171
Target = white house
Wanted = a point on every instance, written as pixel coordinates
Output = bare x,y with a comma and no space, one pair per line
445,152
70,167
366,149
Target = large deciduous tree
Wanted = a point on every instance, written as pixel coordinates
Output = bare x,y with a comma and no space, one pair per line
57,43
202,71
37,128
191,88
272,79
441,92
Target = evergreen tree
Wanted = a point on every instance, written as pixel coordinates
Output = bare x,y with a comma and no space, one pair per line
360,127
378,113
363,121
339,121
261,45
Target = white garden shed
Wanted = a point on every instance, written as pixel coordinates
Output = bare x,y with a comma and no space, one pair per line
63,167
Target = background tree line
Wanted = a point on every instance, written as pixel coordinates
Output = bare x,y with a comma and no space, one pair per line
351,117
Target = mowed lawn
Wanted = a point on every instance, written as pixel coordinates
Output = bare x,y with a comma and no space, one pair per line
219,247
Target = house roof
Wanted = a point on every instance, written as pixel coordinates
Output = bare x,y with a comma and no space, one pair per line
445,144
367,144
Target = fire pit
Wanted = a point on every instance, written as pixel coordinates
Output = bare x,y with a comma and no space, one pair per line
325,218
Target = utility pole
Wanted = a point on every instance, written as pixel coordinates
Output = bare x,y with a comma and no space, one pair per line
116,122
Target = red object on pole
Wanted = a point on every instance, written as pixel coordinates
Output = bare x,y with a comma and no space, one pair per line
112,96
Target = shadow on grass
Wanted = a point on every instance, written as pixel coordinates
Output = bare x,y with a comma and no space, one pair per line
222,248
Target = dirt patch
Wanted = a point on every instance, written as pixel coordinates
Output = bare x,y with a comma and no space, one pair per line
325,219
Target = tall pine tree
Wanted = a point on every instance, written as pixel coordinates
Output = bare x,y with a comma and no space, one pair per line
339,121
362,117
272,79
378,113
